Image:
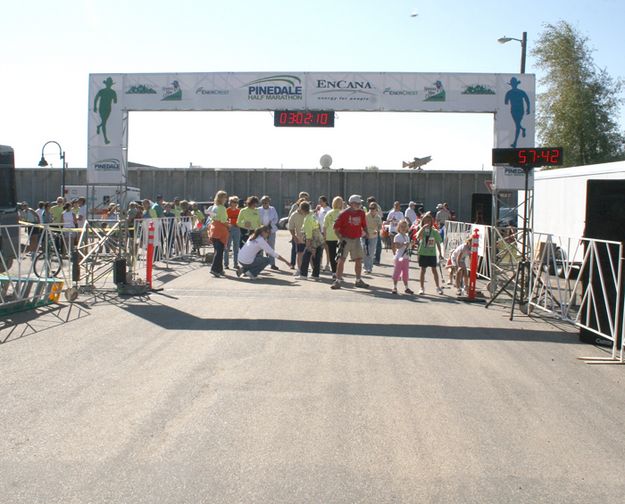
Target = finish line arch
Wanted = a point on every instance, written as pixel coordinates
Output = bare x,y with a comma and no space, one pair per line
509,97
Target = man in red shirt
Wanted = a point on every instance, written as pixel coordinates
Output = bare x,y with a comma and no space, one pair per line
350,227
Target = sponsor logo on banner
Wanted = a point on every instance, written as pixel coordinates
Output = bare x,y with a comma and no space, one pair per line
141,89
435,93
103,105
510,178
399,92
519,108
107,165
204,92
172,92
478,89
344,90
275,87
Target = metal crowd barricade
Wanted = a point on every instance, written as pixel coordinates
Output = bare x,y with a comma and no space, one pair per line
175,240
457,232
579,280
34,266
40,261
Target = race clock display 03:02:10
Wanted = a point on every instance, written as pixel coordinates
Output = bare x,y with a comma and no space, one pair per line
304,118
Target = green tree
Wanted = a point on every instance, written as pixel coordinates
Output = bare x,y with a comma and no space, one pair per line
579,108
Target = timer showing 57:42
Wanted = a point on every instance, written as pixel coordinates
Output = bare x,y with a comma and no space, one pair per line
529,156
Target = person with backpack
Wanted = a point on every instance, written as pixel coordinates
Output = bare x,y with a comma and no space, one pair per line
350,227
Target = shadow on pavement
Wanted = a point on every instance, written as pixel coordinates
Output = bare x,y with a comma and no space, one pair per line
173,319
26,323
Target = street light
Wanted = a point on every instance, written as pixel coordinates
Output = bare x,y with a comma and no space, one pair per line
43,161
523,40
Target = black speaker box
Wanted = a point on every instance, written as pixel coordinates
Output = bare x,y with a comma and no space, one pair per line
119,271
481,208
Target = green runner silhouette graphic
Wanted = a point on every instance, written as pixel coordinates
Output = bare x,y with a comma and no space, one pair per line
107,96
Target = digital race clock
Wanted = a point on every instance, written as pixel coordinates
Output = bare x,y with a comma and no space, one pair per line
529,157
304,118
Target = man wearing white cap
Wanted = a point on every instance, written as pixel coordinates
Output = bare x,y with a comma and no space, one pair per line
411,213
350,227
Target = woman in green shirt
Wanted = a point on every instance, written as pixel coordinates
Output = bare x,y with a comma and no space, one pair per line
219,232
249,218
314,242
328,231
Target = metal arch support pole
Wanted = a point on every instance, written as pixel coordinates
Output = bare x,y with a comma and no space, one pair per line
523,51
523,264
493,244
63,166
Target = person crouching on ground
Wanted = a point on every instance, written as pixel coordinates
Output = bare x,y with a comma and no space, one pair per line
429,242
402,258
459,258
314,243
350,227
251,260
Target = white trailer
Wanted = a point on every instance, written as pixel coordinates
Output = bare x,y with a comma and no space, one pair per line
560,206
99,197
560,196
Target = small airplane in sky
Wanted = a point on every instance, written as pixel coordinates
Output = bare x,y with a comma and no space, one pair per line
417,163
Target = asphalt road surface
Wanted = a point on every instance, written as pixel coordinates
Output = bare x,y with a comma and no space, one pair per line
283,391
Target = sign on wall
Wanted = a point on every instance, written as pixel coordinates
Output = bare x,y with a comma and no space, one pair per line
510,97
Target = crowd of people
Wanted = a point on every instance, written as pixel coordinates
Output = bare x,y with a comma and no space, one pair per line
244,236
336,231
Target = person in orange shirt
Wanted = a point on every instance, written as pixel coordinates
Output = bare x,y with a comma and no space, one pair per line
235,232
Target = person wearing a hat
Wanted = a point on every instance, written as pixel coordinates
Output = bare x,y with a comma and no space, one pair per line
350,227
411,213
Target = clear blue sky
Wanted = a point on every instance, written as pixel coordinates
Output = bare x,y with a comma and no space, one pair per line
49,49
